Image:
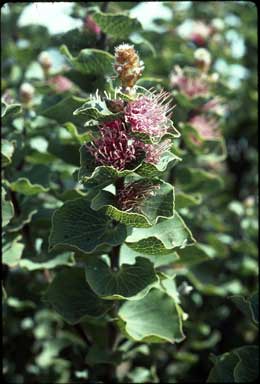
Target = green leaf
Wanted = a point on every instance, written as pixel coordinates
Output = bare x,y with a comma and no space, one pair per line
249,306
24,186
128,255
195,255
60,109
69,153
184,200
9,111
79,137
167,160
28,209
238,366
75,226
38,263
155,318
129,282
150,210
162,238
7,209
97,111
119,26
197,180
7,150
12,252
97,177
72,298
93,61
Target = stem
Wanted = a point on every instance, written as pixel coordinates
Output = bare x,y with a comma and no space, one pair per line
25,229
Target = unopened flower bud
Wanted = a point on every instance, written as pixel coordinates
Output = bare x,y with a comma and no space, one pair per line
202,58
26,93
218,24
45,61
128,65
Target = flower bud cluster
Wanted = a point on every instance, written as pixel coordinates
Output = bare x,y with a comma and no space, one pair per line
128,66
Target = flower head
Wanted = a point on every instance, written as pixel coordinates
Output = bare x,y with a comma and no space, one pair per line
149,114
91,25
202,58
26,93
45,60
131,196
128,65
60,83
200,32
155,151
206,127
191,86
115,147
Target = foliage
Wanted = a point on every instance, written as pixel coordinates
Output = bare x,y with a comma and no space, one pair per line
130,271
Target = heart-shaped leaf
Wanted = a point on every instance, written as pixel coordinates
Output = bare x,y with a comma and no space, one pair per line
162,238
159,204
131,281
72,298
75,226
156,318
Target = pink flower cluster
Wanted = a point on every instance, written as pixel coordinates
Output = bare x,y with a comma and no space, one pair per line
91,25
131,196
189,86
149,115
206,127
60,83
118,147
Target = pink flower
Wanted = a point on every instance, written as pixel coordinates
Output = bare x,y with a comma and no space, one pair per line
200,33
115,147
155,151
205,126
189,86
149,114
91,25
215,105
131,196
60,83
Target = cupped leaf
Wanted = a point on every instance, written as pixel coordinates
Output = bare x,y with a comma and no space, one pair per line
75,226
60,108
195,255
76,135
72,298
131,281
249,306
12,252
7,209
47,262
240,365
7,150
160,204
128,255
197,180
93,61
167,160
162,238
184,200
9,111
97,177
213,149
156,318
25,187
97,111
118,25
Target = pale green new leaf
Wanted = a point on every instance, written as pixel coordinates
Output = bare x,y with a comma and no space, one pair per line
156,318
162,238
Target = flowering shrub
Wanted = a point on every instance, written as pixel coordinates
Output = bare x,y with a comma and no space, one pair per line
128,199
